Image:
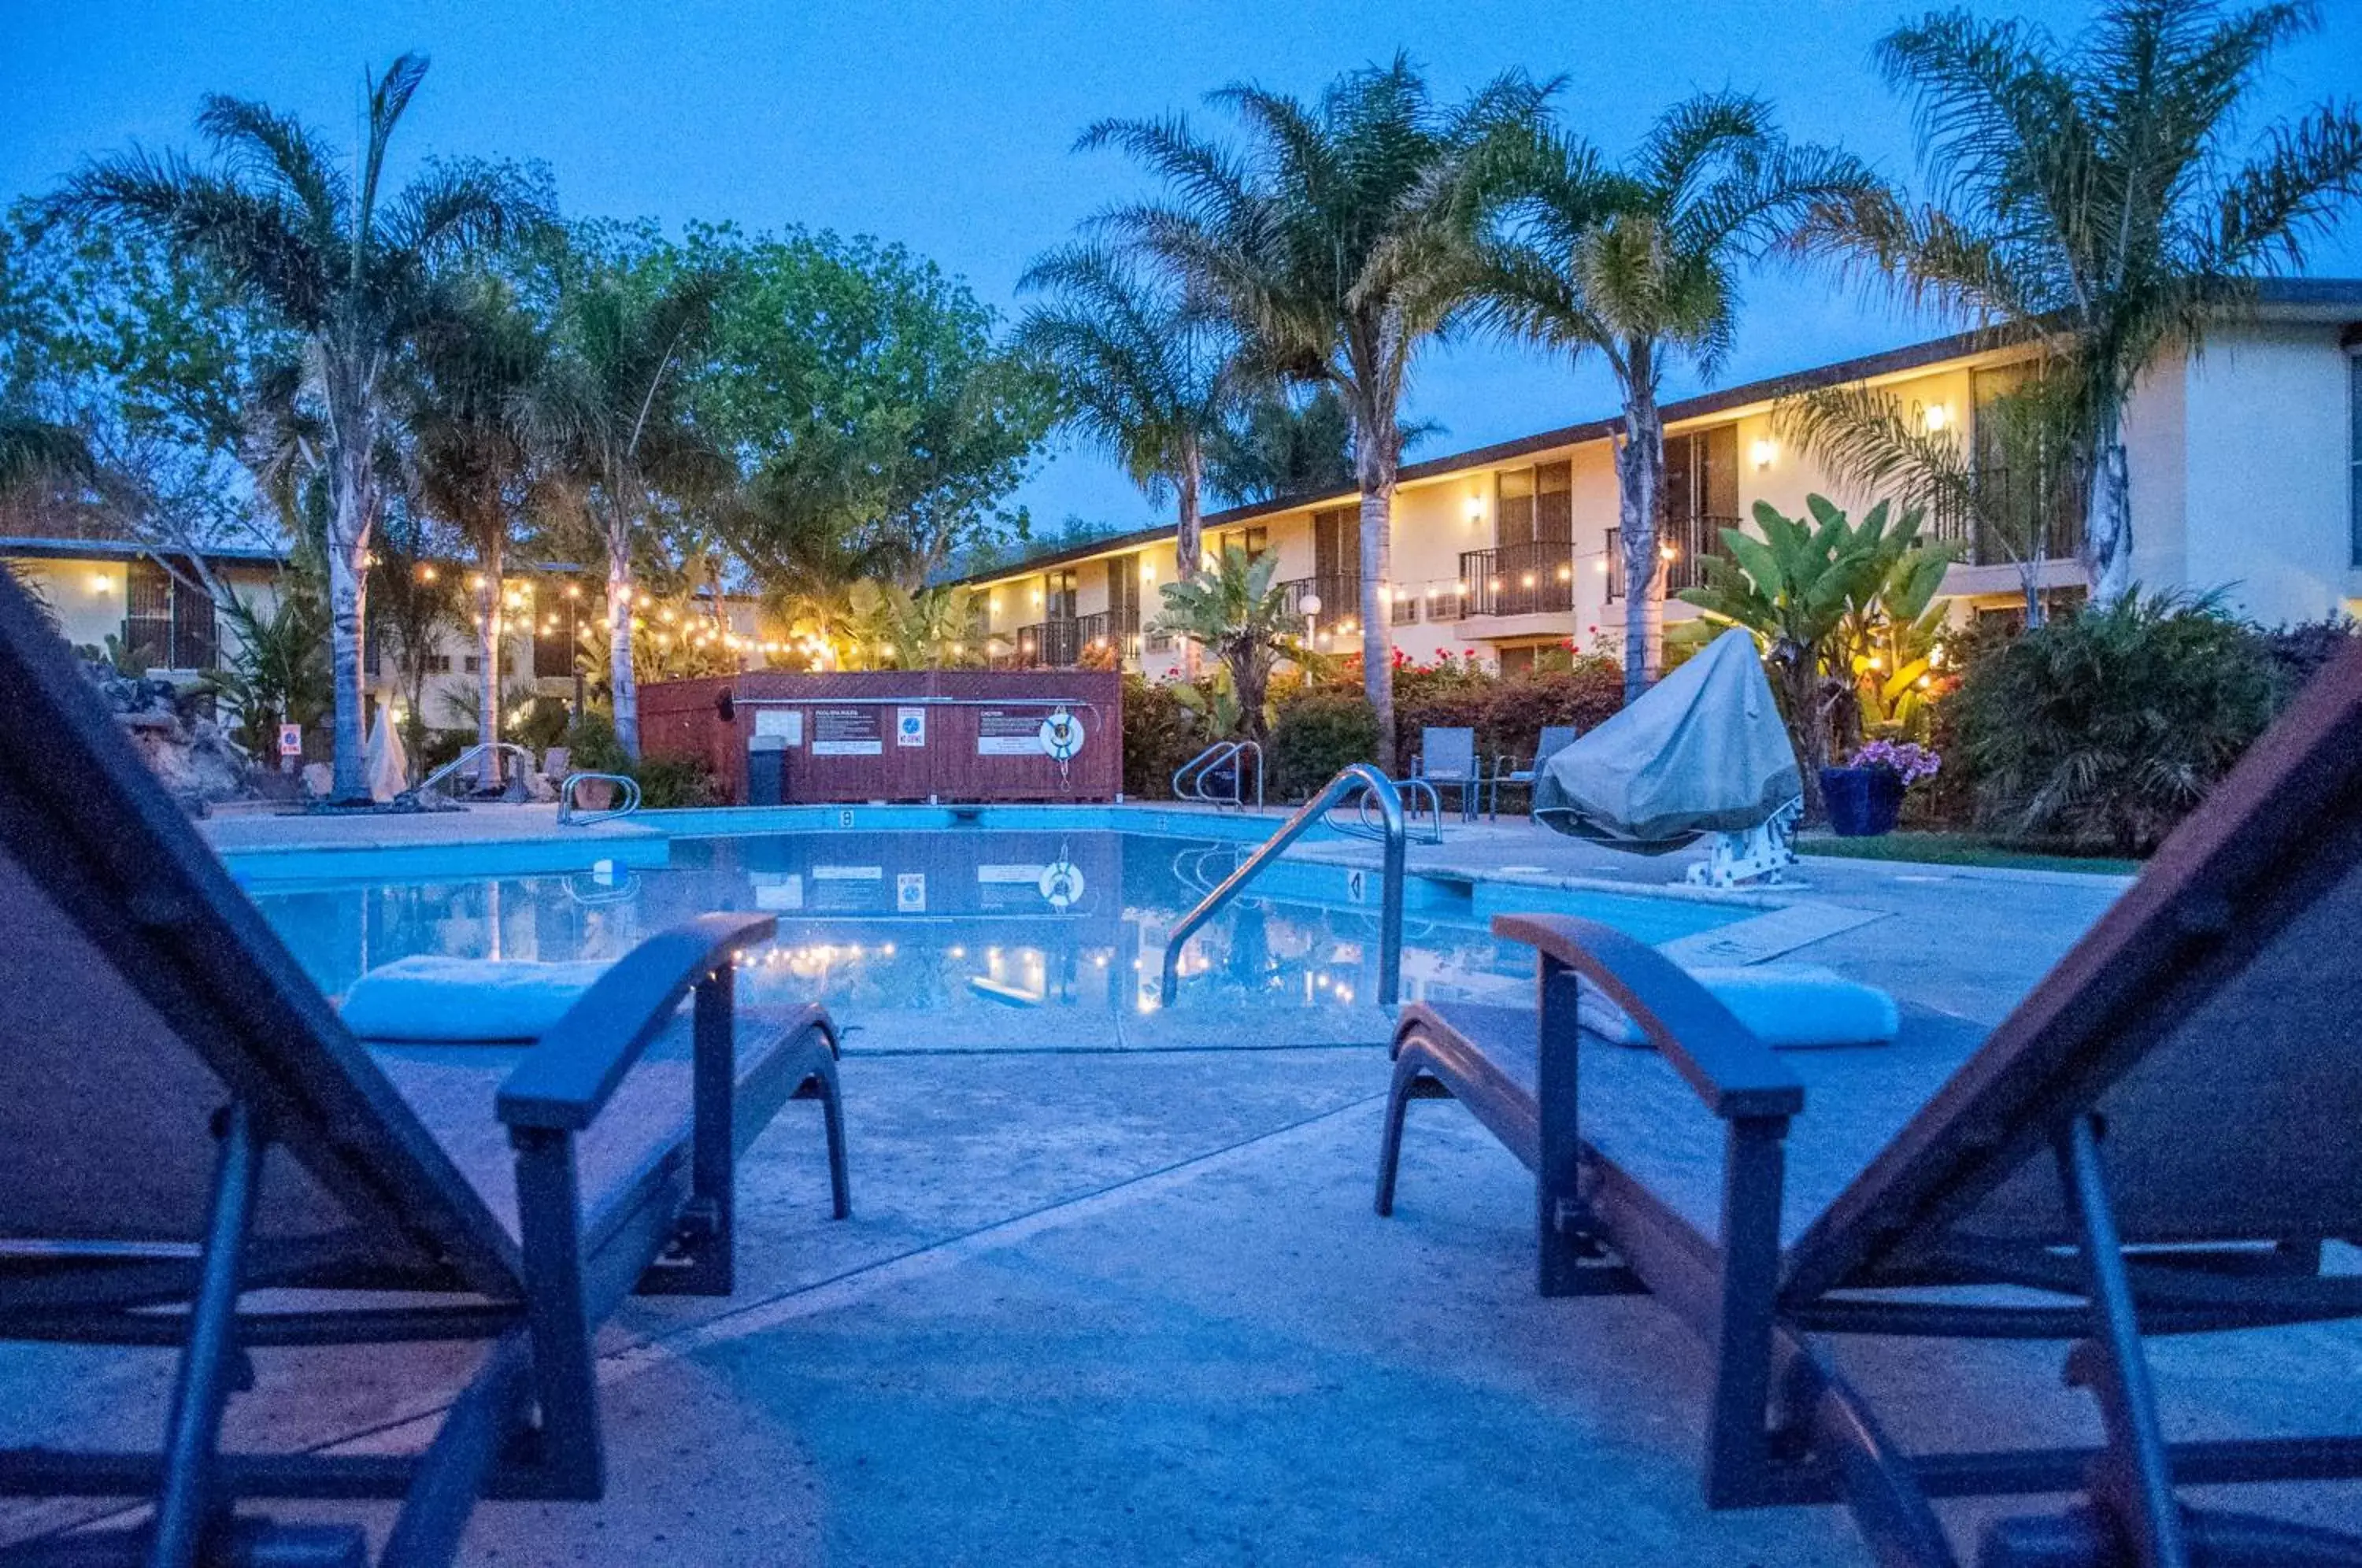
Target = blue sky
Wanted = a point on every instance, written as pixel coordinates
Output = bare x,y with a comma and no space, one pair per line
948,127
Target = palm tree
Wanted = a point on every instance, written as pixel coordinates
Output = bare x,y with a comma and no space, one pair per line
344,263
1337,246
1143,373
1278,444
33,449
611,411
2091,194
472,455
1639,265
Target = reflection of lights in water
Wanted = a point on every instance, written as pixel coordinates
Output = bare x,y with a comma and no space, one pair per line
955,951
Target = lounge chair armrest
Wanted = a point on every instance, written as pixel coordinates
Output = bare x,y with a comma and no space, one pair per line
1734,1074
565,1081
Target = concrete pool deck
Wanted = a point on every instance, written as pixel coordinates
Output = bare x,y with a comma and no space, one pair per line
1136,1307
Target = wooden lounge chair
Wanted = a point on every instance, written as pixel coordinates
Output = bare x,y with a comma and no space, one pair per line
2159,1139
188,1123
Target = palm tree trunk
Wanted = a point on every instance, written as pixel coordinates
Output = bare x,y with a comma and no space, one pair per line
1187,547
488,659
623,689
1641,508
1376,458
2108,533
347,591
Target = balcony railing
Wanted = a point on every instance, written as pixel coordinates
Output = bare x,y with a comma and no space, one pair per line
1520,579
1048,644
1340,594
2003,527
1687,543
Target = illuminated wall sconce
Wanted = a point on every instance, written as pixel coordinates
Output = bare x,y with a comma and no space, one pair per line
1475,510
1935,417
1148,571
101,584
1763,451
1602,564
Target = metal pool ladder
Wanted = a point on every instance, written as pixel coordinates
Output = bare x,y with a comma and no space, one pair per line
1361,775
626,787
1189,779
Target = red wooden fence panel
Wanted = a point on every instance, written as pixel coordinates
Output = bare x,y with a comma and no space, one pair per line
968,735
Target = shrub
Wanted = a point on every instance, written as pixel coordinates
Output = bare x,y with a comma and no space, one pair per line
1585,696
546,720
2099,732
2298,652
1159,735
1317,735
668,781
591,745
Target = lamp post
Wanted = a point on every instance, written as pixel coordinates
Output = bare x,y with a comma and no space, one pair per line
574,645
1311,605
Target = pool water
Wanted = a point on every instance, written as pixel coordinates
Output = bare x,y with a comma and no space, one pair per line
974,939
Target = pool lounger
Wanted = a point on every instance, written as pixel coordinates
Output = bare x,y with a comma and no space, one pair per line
2159,1140
188,1120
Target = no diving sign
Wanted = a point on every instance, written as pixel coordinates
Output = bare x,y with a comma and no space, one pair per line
910,726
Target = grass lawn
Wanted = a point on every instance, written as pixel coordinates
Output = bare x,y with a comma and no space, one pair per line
1956,849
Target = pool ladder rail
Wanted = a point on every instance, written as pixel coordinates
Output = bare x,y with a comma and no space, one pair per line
1196,779
1359,778
627,791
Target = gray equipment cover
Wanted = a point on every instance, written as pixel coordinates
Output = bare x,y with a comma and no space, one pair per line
1701,751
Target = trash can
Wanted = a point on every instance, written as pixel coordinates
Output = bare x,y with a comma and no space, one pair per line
767,770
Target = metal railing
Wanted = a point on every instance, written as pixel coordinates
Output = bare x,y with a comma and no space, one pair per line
1520,579
2014,508
1416,793
1195,779
474,754
626,787
1340,594
1361,775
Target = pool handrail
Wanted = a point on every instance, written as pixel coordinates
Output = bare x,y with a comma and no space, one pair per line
1198,769
1360,776
475,753
569,817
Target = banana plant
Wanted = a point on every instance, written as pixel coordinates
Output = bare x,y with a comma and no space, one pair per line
1235,612
1795,589
935,628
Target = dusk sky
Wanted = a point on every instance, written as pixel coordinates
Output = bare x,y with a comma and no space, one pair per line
949,128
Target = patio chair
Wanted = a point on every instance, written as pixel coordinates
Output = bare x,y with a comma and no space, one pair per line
1447,759
2158,1141
1555,738
188,1123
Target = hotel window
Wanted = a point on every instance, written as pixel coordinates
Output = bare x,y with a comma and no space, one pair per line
1124,594
1058,589
166,623
1255,541
1337,550
1534,505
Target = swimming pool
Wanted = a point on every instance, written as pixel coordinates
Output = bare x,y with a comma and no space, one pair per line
972,938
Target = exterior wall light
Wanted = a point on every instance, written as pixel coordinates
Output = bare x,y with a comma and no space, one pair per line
1475,510
101,584
1935,418
1763,451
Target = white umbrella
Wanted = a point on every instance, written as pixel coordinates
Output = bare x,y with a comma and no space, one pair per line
387,765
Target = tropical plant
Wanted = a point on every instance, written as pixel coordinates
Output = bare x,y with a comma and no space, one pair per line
2099,732
1143,373
414,601
1280,443
2010,482
1338,245
1235,612
278,669
1639,265
1160,734
2093,194
344,263
610,411
1317,735
936,628
1891,638
1796,590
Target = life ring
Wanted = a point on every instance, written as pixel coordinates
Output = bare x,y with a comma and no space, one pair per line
1060,884
1062,736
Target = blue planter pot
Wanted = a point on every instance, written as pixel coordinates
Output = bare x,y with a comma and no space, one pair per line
1863,802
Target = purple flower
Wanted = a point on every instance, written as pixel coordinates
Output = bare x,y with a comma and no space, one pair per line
1907,760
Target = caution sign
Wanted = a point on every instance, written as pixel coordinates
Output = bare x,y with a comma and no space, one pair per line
1009,732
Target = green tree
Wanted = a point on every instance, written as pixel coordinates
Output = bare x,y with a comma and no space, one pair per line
1143,375
610,412
1640,264
1336,242
340,261
1241,617
414,600
935,628
2096,195
867,392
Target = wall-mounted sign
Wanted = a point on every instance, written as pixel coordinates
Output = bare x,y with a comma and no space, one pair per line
1009,732
787,724
291,740
911,892
910,726
846,731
